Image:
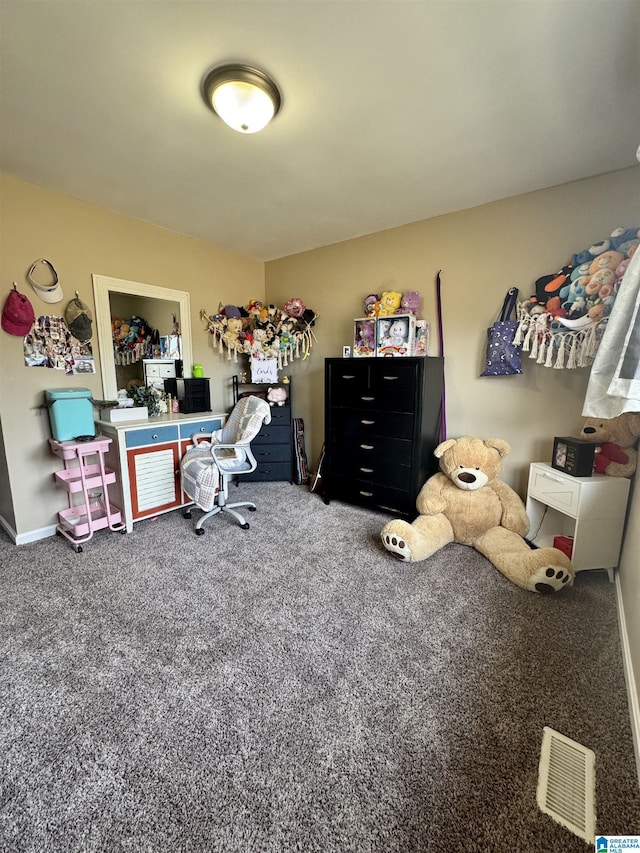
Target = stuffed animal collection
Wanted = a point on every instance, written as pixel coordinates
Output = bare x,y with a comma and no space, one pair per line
562,323
132,339
391,302
263,331
466,502
616,439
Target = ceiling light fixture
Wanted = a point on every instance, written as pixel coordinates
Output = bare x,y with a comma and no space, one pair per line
244,97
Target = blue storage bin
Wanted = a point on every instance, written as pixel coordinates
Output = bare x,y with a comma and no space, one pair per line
70,412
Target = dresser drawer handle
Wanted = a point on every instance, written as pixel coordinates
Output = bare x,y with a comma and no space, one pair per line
366,494
555,479
347,376
367,470
390,378
368,399
366,446
367,423
202,429
154,436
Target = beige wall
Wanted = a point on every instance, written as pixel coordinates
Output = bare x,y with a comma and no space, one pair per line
481,252
81,239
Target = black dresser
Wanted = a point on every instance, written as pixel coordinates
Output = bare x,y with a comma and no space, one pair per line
382,424
272,447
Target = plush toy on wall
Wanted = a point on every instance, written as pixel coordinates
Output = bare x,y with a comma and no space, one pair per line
616,439
467,503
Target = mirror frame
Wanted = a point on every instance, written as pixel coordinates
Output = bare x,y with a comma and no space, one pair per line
102,286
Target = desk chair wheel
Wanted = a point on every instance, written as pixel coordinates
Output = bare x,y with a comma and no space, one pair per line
252,509
186,513
199,531
245,526
78,549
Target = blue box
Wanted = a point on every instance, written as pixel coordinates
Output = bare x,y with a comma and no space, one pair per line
70,412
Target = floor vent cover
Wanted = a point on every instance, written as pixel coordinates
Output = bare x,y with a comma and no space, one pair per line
566,784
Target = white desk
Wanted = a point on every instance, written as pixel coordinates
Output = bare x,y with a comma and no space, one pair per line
147,456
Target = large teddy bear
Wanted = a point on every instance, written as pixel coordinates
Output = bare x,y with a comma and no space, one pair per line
615,437
467,502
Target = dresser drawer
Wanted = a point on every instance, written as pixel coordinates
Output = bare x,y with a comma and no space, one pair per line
370,423
555,489
189,429
161,371
271,452
385,461
270,434
345,379
151,435
373,495
270,471
375,448
280,415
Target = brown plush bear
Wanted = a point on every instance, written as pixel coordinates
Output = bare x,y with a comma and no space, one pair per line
467,502
616,438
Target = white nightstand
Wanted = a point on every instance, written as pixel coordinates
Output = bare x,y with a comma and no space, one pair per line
590,509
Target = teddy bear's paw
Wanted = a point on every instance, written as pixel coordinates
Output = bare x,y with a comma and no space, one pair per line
549,579
397,546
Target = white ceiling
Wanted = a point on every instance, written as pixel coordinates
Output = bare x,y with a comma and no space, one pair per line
393,111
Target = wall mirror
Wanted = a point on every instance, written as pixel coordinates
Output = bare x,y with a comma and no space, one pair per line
110,291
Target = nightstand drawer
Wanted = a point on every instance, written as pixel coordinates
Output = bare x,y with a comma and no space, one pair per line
560,491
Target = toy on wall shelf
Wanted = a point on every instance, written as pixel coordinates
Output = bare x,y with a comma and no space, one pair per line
263,331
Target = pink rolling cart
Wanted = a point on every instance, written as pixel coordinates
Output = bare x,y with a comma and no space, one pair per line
85,476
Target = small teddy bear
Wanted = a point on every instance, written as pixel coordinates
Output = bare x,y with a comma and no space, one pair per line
616,437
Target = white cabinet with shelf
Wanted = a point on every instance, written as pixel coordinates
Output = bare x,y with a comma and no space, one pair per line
147,454
589,509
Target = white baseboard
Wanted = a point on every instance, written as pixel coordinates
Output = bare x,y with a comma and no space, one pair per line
632,689
6,526
31,536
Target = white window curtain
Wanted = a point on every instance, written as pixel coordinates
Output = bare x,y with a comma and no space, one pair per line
614,382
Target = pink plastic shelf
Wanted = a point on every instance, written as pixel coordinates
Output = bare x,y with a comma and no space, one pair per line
75,519
71,480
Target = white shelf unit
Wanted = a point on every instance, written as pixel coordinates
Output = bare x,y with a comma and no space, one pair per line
589,509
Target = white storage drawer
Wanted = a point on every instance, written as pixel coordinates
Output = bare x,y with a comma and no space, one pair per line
594,497
559,491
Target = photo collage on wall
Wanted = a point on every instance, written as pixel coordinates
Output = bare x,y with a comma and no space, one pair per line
50,344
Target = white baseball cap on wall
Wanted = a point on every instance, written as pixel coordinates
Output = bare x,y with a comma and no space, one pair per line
50,291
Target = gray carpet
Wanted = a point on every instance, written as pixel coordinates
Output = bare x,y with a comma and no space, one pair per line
294,688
